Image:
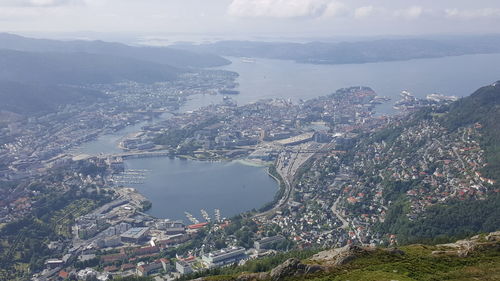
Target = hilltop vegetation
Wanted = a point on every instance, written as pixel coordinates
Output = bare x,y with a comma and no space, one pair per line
444,222
32,98
79,68
477,258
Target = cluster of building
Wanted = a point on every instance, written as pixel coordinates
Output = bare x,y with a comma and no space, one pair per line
140,250
232,131
438,165
425,160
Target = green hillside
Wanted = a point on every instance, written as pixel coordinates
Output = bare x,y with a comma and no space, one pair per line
460,218
482,107
79,68
31,98
477,258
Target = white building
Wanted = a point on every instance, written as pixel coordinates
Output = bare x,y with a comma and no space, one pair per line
224,257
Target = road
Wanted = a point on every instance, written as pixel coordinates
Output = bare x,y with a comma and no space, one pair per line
335,211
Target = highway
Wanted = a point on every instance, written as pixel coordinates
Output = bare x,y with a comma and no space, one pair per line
287,164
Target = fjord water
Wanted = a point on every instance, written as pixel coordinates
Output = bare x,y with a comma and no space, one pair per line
175,185
459,76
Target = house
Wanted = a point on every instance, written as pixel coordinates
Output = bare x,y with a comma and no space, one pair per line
150,268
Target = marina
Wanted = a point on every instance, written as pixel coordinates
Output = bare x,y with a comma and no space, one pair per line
217,215
191,218
205,215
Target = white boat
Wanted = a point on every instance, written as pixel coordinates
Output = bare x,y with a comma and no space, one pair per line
247,60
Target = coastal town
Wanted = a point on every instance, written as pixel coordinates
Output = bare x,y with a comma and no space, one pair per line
32,143
328,196
249,140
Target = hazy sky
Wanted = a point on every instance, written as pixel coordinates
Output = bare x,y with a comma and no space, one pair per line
267,17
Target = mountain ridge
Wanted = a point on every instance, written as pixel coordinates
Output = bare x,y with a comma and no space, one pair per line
79,68
353,52
32,98
159,55
36,65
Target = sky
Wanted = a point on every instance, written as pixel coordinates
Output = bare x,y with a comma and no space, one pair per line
236,18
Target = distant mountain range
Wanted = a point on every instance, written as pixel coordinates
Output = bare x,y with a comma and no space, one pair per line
354,52
37,74
159,55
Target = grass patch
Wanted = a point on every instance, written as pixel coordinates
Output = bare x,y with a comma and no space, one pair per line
416,264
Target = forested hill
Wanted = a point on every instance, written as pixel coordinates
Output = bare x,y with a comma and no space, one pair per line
440,169
482,107
159,55
79,68
32,98
32,82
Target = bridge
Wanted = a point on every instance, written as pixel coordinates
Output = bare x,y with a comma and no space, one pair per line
137,154
320,151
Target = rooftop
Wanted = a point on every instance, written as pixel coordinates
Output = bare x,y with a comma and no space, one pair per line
135,232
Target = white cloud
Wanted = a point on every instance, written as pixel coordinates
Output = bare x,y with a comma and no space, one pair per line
473,14
37,3
17,14
411,13
278,8
336,9
328,9
364,12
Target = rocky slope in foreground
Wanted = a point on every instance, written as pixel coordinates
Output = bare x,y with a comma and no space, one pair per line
477,258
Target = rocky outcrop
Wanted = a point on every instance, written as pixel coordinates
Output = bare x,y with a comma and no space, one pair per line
253,276
340,256
493,237
464,248
293,267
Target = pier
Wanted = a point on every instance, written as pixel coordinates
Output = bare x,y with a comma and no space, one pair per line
191,218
